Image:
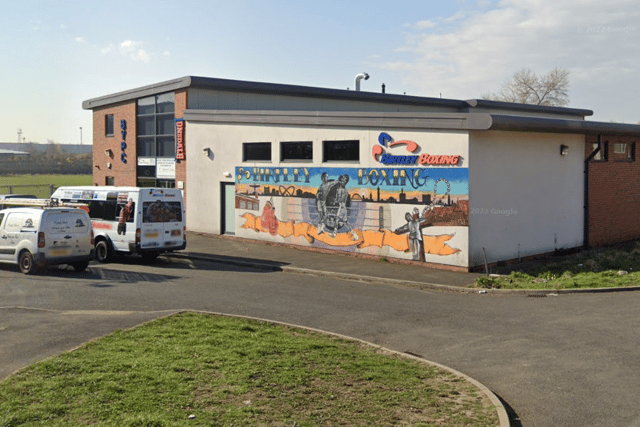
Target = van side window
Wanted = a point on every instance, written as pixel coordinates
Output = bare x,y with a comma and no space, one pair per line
1,217
96,209
109,211
99,209
129,212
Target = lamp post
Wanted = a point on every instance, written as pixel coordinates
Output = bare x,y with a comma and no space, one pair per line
80,135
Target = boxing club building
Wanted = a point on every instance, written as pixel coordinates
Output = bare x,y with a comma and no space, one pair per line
448,183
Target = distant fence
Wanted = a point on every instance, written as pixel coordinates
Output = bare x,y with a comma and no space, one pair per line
49,168
41,191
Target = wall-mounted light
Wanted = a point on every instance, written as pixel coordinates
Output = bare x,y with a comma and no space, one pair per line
206,152
564,150
109,165
226,174
108,152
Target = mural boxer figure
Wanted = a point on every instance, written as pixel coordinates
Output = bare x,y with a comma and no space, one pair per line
332,200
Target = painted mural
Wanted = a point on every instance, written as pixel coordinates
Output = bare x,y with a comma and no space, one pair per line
404,212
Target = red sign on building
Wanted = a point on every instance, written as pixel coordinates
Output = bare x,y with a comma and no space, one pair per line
180,155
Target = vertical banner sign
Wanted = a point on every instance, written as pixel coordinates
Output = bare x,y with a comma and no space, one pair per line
180,155
123,144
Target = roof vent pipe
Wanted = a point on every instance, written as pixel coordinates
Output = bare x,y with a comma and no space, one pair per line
383,88
360,77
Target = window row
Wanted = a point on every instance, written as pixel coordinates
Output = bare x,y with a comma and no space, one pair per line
332,151
621,151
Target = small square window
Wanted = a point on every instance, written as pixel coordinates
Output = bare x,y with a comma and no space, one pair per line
108,125
601,156
624,151
341,151
109,180
296,150
256,151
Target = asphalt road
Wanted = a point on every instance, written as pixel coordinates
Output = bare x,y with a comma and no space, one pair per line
570,360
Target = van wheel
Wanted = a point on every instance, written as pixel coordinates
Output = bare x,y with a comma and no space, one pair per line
26,264
103,251
80,266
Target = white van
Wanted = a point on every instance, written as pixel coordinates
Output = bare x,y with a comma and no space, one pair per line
36,237
131,220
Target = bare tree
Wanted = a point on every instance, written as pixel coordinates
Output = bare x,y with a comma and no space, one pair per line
526,87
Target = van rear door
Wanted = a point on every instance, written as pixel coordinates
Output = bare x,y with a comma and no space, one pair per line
67,233
162,220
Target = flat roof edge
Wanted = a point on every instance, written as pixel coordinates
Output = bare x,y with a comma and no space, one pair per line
583,127
443,121
513,106
141,92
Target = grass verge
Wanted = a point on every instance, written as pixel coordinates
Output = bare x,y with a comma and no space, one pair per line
616,266
228,371
38,185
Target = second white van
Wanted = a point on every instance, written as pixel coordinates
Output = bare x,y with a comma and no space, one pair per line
131,220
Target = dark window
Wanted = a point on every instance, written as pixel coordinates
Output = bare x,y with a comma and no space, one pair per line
109,180
100,209
156,183
155,119
256,151
108,125
340,151
296,150
146,172
146,146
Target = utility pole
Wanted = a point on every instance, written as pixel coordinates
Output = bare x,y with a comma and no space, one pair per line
19,135
80,135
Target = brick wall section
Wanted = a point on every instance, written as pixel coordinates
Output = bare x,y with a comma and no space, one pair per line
181,165
614,194
124,173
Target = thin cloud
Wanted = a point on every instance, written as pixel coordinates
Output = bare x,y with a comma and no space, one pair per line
423,25
473,51
80,40
130,49
133,49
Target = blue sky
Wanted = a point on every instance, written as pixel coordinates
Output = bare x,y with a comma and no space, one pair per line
57,54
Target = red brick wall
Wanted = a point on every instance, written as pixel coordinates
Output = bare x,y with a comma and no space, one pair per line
123,173
181,165
614,194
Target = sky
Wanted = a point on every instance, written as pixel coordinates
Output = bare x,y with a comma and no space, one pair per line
55,55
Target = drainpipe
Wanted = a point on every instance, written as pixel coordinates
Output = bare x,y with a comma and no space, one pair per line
598,149
360,77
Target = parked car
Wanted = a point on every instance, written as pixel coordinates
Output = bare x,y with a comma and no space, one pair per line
34,238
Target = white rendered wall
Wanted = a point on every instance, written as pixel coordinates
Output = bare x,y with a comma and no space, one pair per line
205,173
525,198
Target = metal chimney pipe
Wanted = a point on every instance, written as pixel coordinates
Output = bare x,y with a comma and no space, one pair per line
360,77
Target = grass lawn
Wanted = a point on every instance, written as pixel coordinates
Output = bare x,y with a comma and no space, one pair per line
616,266
38,185
222,371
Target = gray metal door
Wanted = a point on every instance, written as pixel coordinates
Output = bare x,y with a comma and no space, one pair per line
229,207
